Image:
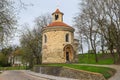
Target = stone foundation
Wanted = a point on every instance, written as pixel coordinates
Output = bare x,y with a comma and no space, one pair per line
68,72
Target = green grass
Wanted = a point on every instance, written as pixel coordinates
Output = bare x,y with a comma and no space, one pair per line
103,70
13,68
90,59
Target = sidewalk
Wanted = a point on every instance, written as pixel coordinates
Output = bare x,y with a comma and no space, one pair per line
49,77
1,71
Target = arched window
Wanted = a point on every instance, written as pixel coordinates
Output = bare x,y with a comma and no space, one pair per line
67,37
56,17
45,39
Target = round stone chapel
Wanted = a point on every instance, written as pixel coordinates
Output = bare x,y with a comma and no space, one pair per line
58,43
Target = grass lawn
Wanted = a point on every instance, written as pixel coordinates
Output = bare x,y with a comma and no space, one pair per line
90,59
13,68
103,70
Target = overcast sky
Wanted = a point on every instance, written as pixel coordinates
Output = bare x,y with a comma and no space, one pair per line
68,7
39,7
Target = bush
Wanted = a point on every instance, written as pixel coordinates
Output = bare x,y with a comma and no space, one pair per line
90,51
4,60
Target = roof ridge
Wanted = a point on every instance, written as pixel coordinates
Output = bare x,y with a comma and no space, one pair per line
58,24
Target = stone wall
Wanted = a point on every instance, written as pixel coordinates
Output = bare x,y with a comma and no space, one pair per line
52,50
68,72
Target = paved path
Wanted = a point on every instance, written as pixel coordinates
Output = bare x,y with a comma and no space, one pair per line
116,67
49,76
18,75
28,75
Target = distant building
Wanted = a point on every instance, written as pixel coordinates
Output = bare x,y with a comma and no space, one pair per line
15,60
108,51
58,44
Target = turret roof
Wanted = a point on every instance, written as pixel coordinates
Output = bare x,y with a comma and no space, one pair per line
57,11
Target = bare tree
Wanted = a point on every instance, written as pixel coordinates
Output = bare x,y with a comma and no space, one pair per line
101,18
108,22
7,19
88,26
32,39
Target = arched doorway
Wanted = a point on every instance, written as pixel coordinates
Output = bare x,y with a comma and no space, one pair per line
68,53
67,57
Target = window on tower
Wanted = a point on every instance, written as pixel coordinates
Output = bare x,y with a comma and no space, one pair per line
56,17
67,37
45,39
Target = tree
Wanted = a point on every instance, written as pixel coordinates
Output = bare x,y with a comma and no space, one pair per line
100,22
107,18
31,40
4,56
88,27
3,60
7,20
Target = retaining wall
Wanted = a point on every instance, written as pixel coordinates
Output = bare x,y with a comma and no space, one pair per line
68,72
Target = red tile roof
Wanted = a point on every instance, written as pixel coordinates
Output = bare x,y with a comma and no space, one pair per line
58,24
57,11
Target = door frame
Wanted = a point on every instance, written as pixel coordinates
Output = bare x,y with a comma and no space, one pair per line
68,49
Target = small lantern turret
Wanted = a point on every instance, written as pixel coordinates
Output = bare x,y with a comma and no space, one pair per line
57,16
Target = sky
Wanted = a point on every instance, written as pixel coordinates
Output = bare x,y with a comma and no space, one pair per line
68,7
36,8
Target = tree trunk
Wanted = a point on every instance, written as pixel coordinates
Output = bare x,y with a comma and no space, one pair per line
93,45
102,44
118,52
102,49
112,53
38,60
31,64
81,44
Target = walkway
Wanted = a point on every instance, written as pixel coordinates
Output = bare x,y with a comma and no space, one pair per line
116,67
50,77
18,75
28,75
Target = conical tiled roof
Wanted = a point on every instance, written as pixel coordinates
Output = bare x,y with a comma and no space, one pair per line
58,24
